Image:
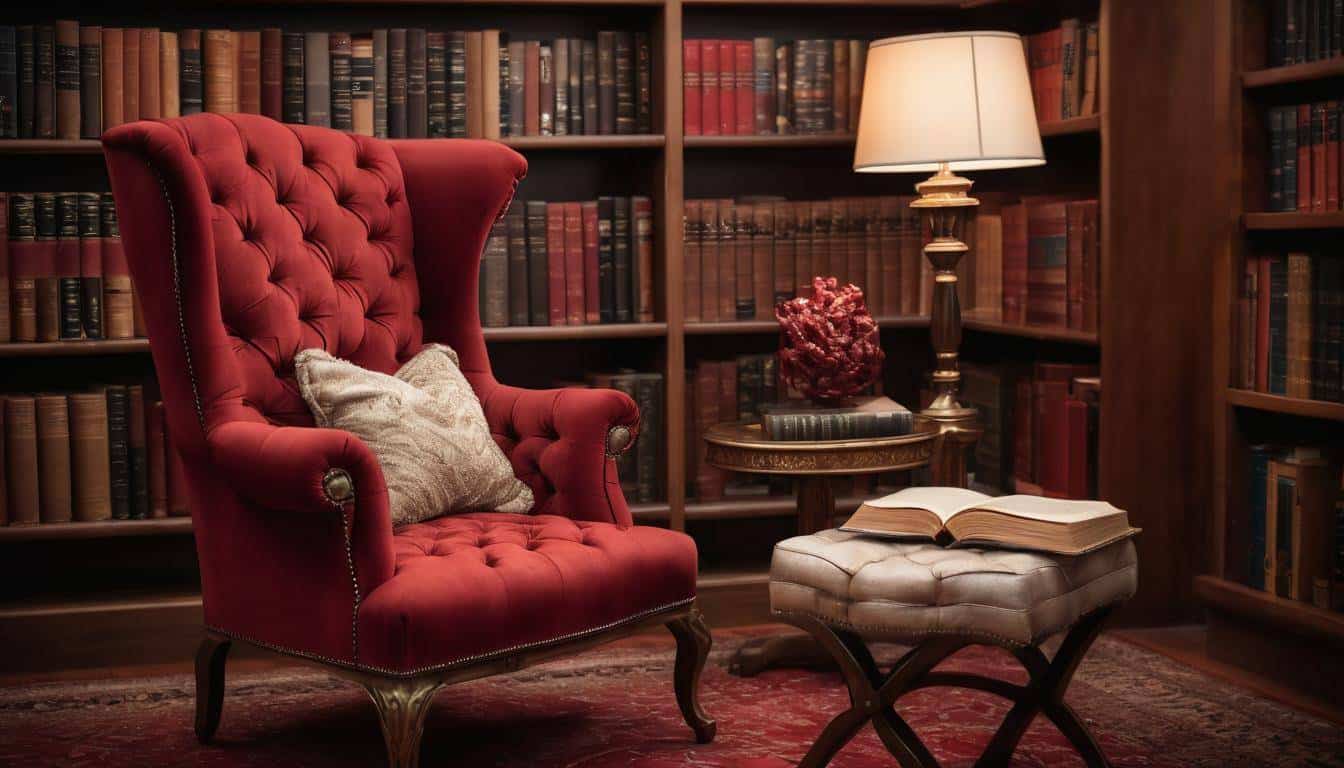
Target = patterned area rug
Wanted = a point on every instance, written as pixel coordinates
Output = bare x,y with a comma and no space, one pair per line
614,708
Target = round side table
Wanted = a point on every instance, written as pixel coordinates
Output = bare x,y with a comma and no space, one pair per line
743,447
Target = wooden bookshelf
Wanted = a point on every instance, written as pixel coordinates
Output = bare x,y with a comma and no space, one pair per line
102,529
1261,221
775,142
1281,613
1261,401
749,327
575,332
1074,126
1293,74
984,324
75,348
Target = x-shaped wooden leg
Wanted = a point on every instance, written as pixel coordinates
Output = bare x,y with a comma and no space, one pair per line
872,695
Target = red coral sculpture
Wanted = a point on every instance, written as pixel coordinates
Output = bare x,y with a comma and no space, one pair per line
830,349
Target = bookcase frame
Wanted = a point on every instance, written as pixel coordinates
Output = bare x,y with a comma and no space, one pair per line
739,592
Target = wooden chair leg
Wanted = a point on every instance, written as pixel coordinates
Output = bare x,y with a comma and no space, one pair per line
693,644
210,657
402,705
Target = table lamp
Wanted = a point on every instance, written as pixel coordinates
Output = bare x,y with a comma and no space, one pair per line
944,102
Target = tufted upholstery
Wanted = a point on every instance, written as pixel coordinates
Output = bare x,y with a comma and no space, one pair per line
250,240
902,591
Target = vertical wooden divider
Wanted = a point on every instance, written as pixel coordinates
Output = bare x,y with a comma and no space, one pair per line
667,95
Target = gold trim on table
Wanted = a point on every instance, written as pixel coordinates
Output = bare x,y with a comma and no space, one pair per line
743,447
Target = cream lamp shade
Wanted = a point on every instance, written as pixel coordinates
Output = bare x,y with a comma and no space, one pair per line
961,98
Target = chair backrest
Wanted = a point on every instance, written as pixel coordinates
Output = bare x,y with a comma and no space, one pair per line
258,240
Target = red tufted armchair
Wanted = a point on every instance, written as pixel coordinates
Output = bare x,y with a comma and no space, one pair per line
249,241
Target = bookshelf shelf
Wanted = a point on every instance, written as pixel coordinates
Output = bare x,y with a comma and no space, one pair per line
102,529
763,142
917,4
50,147
1037,332
576,332
1261,401
1293,74
1263,221
638,141
1074,126
749,327
74,348
1290,615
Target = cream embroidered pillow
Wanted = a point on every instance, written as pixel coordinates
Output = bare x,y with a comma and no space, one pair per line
426,427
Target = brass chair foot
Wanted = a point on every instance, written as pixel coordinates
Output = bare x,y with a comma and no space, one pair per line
402,705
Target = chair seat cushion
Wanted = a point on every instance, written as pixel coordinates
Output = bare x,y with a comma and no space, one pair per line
478,584
903,591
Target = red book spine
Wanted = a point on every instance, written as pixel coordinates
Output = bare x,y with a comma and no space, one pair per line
1076,486
1262,325
1075,228
555,261
1332,168
691,85
25,269
1054,74
1318,163
574,305
743,64
592,294
272,73
1014,264
709,87
1304,134
727,89
1054,434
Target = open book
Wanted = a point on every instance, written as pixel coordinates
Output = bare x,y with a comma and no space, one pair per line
1064,526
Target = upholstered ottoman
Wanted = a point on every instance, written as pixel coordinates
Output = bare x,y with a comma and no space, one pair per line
847,589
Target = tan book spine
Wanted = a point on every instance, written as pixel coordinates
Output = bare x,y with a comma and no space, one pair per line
118,318
475,92
21,459
361,84
858,61
89,457
217,53
489,68
249,71
113,78
67,80
130,75
236,46
170,71
149,74
53,458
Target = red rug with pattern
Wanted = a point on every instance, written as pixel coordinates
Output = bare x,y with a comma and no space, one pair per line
614,707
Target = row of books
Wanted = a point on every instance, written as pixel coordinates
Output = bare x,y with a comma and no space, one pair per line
1041,424
641,469
1291,312
66,80
758,87
1064,66
718,391
63,272
573,263
1305,30
1293,536
1304,166
87,456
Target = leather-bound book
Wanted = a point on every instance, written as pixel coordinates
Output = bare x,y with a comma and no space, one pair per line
823,85
592,287
649,398
763,86
889,244
317,79
872,255
762,259
89,457
90,264
505,79
591,122
45,88
691,84
380,83
1014,263
1047,250
21,467
118,442
1091,69
177,478
518,92
118,320
858,61
785,283
709,480
643,83
1304,136
803,76
727,57
515,225
1024,420
130,74
150,94
272,73
532,88
555,263
53,459
560,54
220,70
606,258
606,83
455,53
1318,170
495,277
744,293
90,67
545,90
624,66
821,239
339,53
291,76
851,225
47,280
491,86
1073,262
709,88
538,279
692,249
839,86
417,83
1081,458
6,329
67,266
1332,166
641,214
26,42
989,263
621,268
574,277
396,83
726,213
744,89
784,93
9,83
191,85
1297,338
712,257
1071,42
436,79
482,73
803,268
170,75
137,451
158,467
25,264
361,85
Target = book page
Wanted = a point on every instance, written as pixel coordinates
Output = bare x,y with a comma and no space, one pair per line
1046,510
943,502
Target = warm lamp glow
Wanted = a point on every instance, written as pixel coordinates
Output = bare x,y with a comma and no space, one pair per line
961,98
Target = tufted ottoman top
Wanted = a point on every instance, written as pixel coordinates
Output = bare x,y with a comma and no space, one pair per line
904,591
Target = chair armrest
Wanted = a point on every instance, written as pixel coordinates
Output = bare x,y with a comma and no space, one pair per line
563,443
